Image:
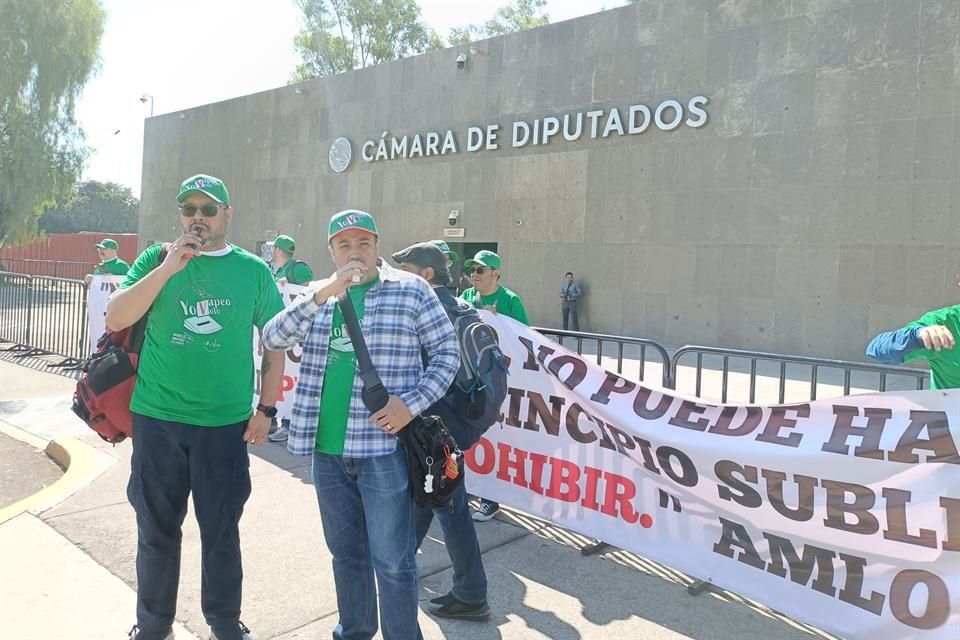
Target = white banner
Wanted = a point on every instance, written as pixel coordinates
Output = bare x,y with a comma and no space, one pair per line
97,294
844,513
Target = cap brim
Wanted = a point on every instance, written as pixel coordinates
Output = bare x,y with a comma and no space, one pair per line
183,196
99,246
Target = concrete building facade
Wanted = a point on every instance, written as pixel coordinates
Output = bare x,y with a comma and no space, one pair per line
779,175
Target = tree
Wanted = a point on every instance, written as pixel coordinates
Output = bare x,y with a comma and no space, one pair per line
514,16
341,35
93,206
48,51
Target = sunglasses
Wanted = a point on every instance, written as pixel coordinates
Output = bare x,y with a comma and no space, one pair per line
479,270
208,210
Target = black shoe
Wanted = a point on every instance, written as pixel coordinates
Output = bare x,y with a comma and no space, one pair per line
243,630
449,606
134,633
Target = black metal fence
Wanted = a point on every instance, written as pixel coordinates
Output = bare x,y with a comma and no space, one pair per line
43,315
814,375
625,352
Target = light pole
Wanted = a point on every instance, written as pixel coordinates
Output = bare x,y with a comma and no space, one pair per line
144,98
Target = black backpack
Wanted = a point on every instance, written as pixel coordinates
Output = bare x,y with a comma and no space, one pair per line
480,386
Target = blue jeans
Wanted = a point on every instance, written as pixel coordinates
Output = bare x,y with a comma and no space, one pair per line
368,523
170,461
469,578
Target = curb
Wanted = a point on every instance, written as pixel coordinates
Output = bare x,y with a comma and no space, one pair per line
81,464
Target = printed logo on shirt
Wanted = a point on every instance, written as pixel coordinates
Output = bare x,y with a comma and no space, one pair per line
205,308
340,340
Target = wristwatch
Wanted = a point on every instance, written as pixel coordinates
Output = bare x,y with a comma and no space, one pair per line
270,412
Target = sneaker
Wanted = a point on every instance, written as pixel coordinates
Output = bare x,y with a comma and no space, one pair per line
486,511
134,633
449,606
280,435
243,629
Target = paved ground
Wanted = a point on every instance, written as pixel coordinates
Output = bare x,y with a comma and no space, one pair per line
24,470
73,574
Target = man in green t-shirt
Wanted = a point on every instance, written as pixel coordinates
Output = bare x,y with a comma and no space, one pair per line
109,263
487,293
192,404
933,337
286,267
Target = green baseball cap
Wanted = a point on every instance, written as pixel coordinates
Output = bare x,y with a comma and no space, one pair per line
285,243
351,219
447,251
486,258
208,185
107,243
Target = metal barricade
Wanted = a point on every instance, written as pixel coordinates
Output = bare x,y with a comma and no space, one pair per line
60,319
822,375
16,305
44,316
628,351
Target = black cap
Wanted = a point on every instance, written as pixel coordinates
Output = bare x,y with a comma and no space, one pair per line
425,254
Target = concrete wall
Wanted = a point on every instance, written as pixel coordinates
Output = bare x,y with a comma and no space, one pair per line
819,204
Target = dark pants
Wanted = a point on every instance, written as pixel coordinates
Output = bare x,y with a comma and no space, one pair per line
460,538
569,308
171,460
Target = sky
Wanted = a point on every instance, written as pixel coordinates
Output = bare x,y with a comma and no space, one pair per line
179,54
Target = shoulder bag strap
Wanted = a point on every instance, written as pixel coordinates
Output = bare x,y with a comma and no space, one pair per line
374,395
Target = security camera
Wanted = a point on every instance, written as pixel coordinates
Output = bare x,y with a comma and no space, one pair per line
452,218
461,60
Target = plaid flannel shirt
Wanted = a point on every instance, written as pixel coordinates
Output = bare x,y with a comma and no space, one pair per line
401,316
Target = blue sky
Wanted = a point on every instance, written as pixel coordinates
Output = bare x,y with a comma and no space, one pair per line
186,53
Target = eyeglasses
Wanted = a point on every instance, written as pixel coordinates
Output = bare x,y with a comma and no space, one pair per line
479,270
208,210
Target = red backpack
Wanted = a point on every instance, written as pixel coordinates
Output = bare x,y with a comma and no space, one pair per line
104,390
102,398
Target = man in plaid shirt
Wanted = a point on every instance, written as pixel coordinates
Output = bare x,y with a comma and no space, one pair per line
359,472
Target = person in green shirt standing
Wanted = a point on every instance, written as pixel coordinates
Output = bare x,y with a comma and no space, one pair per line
287,268
192,405
487,293
932,337
109,263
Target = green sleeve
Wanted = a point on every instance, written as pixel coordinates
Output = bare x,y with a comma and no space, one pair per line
517,312
144,264
948,317
301,273
269,302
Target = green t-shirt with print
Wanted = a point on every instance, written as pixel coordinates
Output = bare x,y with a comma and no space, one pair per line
196,365
295,271
111,267
944,364
338,375
503,300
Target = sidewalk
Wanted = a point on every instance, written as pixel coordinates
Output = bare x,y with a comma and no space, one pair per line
73,573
